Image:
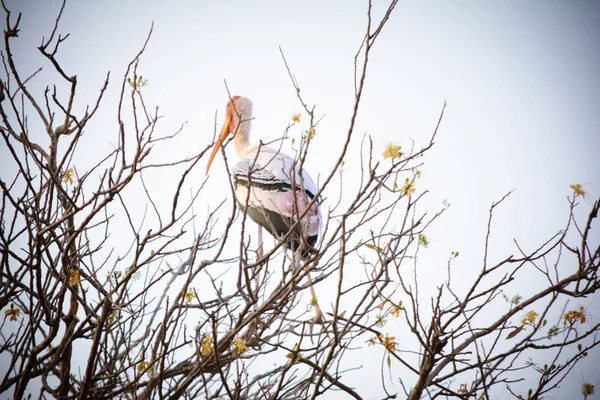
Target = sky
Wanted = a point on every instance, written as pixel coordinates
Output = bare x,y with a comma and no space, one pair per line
520,79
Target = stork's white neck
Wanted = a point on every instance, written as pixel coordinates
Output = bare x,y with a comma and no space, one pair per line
241,123
242,133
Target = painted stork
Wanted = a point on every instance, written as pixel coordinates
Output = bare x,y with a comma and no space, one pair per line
281,192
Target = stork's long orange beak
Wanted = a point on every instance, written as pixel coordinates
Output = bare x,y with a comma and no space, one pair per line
225,131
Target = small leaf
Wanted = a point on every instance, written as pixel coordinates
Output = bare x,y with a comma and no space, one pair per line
373,247
552,332
516,299
111,317
423,240
515,332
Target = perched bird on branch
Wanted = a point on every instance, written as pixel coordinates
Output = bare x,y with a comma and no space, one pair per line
271,187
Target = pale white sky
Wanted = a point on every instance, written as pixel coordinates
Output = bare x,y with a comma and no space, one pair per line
520,78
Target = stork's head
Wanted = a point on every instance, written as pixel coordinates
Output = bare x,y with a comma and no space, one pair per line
237,115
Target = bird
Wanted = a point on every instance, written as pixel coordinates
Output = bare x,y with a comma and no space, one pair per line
271,187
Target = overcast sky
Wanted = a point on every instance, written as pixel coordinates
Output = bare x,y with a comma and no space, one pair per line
521,79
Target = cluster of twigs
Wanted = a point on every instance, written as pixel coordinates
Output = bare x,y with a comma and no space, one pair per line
178,312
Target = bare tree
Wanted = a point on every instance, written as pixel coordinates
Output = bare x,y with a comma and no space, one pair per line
189,307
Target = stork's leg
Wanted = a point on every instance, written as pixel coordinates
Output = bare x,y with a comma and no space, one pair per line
259,251
250,335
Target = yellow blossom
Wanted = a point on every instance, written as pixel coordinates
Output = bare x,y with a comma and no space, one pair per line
530,318
295,354
392,151
577,190
587,389
206,345
189,296
409,186
395,310
67,178
142,365
239,347
296,117
74,277
310,133
13,313
573,316
389,342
